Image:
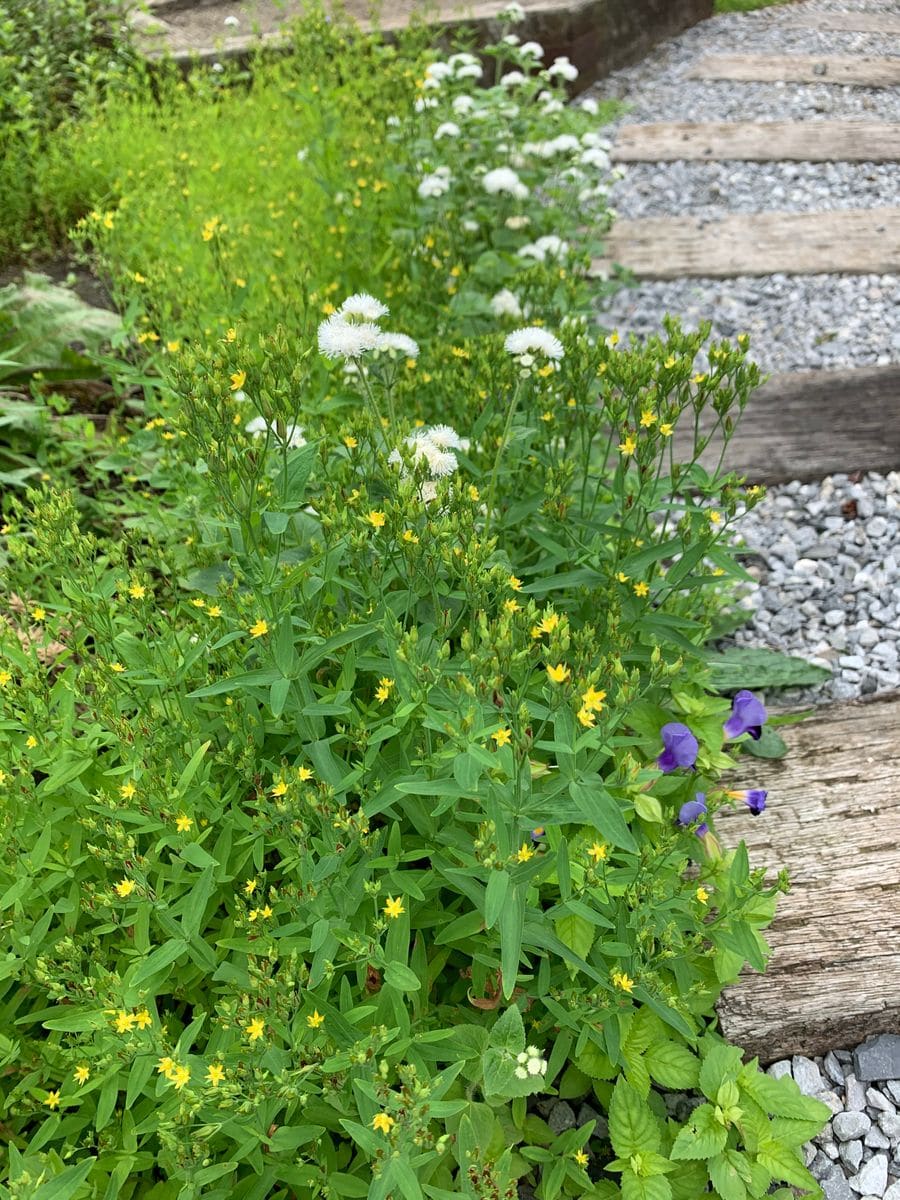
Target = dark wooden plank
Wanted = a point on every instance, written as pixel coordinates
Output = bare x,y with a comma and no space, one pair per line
807,424
857,70
833,820
760,141
858,241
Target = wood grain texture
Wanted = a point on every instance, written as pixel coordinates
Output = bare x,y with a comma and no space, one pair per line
850,241
833,821
760,141
857,70
826,422
843,22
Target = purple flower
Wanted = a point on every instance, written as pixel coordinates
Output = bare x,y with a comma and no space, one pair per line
755,799
680,747
692,811
537,834
748,715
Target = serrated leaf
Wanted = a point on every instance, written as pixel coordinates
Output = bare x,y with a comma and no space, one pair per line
722,1062
672,1065
702,1137
785,1165
632,1125
653,1187
636,1070
781,1097
726,1178
740,667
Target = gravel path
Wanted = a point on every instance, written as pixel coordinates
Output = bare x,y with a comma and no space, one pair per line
827,557
797,322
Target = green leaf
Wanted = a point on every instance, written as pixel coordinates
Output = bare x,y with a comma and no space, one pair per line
739,667
720,1062
781,1097
576,933
769,745
702,1136
495,897
672,1065
632,1125
602,811
725,1176
162,957
508,1032
401,977
276,522
512,926
651,1187
785,1165
64,1185
648,807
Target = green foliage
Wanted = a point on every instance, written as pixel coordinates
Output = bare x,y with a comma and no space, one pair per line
741,667
722,6
331,691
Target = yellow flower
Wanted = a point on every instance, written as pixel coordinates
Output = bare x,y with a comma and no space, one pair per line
31,741
622,981
5,677
82,1073
280,788
143,1020
593,699
241,283
137,591
230,335
666,429
350,442
198,602
502,737
629,445
409,536
179,1077
265,911
259,629
393,908
52,1100
648,418
173,347
525,852
124,888
715,518
215,1074
512,606
587,718
238,379
558,674
597,852
117,668
128,790
249,887
38,614
670,362
214,611
255,1029
702,895
474,493
641,588
547,625
380,1122
515,583
581,1158
252,914
166,1066
698,378
622,577
315,1019
376,519
125,1021
183,823
384,689
304,774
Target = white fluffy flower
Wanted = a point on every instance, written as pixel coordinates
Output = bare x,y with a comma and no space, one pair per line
525,343
534,1066
520,221
590,106
463,104
522,1058
231,21
435,184
434,446
393,121
504,180
470,71
512,39
399,342
364,306
469,226
563,68
446,438
257,426
424,102
293,434
596,139
532,49
594,157
513,14
513,79
447,129
438,71
547,246
340,338
505,304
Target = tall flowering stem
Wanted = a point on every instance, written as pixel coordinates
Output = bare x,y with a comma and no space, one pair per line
495,470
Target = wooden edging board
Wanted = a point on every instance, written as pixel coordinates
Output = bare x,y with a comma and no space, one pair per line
843,22
833,820
859,70
809,424
845,241
759,141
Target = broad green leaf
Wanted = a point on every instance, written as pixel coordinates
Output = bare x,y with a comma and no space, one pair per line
740,667
651,1187
162,957
720,1062
577,933
648,807
401,977
781,1097
769,745
702,1136
276,522
632,1125
785,1165
602,811
64,1185
725,1176
672,1066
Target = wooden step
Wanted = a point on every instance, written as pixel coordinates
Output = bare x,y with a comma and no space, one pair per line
848,241
760,141
843,22
833,820
827,422
858,70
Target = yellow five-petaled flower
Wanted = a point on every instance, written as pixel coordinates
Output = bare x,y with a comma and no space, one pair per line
502,737
558,674
393,907
255,1029
183,823
82,1073
581,1158
622,981
124,888
52,1100
315,1019
629,445
280,788
259,629
215,1073
641,588
376,519
525,852
382,1122
702,895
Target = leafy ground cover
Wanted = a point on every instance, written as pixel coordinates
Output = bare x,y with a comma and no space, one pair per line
745,5
361,746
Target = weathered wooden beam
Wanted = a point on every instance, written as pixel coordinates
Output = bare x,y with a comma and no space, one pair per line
833,820
760,141
808,424
843,22
858,70
851,241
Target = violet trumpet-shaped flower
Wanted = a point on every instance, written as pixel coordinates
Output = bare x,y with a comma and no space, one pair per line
748,715
754,798
692,811
680,747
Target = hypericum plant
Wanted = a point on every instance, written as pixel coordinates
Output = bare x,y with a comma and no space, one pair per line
350,814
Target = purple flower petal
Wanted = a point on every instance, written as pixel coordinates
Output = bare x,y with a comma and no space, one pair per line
748,715
755,799
680,747
691,811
